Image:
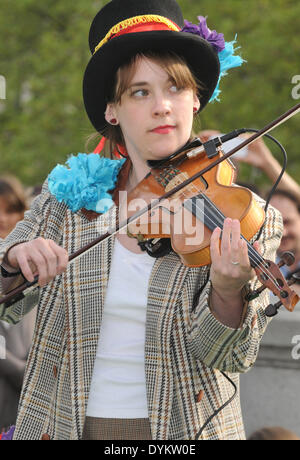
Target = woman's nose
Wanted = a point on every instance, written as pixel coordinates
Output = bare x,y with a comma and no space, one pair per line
162,106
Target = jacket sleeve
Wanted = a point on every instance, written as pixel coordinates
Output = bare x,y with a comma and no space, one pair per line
224,348
42,220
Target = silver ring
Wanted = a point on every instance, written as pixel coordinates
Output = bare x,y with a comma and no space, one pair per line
235,263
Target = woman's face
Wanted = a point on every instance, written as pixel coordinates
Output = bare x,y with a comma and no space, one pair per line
8,220
155,116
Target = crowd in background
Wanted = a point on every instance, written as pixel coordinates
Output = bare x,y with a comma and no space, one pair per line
15,199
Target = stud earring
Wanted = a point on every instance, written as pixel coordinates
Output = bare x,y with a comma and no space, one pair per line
113,121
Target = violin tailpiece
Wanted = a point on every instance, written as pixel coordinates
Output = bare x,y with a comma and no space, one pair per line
166,175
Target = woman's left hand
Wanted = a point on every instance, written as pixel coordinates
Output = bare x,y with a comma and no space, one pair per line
230,268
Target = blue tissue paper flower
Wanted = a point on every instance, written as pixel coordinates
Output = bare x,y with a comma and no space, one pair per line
85,182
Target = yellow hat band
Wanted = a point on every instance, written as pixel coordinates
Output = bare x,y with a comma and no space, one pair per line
150,21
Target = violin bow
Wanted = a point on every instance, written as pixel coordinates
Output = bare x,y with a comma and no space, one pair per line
23,289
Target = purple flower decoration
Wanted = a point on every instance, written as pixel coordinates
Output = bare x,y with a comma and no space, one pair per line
226,50
8,435
215,39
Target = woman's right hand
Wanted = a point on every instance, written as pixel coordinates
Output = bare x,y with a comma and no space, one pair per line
38,257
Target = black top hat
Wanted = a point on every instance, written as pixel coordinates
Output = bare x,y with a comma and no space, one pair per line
124,28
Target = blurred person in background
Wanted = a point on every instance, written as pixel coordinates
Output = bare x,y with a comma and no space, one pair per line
289,207
16,339
12,204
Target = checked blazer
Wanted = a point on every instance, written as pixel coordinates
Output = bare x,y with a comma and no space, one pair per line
186,347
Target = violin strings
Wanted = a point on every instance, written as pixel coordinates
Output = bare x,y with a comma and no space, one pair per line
253,254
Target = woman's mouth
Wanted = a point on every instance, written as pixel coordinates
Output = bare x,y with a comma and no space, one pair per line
166,129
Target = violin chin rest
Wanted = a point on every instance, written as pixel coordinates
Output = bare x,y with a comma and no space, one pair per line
156,247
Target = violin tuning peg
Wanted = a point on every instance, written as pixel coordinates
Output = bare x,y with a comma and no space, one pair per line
272,309
254,294
287,259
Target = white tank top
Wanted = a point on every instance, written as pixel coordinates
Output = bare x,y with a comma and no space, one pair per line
118,388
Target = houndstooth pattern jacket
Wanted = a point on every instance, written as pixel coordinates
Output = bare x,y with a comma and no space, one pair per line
186,346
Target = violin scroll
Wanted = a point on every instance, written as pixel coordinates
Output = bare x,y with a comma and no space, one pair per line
270,276
272,309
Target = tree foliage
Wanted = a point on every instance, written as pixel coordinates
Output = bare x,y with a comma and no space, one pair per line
44,52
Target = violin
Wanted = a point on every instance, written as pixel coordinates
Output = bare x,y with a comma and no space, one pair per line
193,213
203,195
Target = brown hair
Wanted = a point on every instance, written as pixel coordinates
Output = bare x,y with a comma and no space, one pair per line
174,66
13,193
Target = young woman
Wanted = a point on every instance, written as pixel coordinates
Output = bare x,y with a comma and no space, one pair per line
127,346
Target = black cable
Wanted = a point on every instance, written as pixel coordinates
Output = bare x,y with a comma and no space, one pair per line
240,131
251,130
220,408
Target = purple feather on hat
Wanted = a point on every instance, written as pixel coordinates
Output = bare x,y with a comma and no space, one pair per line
212,36
226,50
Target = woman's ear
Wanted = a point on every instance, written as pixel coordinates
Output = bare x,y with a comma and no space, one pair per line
110,113
196,103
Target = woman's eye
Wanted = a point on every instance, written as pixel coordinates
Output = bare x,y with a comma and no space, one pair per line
140,93
177,89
